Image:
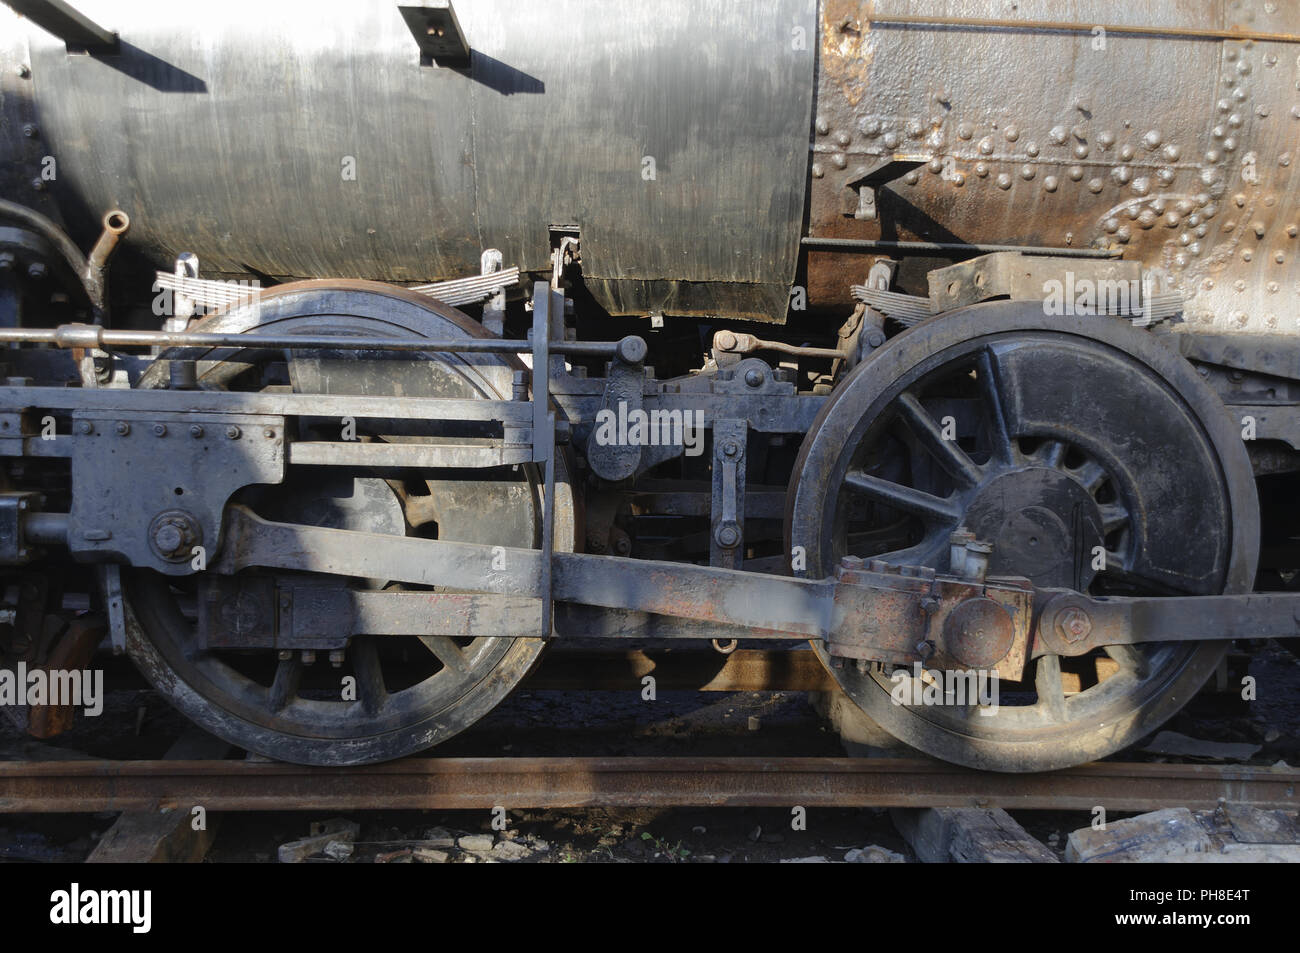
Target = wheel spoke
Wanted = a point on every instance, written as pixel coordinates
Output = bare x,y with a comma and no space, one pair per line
1051,692
1051,453
927,430
1130,658
420,510
903,498
991,391
1091,475
370,675
446,651
285,686
1113,517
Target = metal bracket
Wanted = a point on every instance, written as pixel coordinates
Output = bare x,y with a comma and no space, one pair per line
727,534
862,182
437,32
149,488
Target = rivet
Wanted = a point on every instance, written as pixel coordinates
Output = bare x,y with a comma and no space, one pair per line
1057,135
1141,185
160,430
1123,174
891,140
1031,148
1026,172
1012,133
1075,173
232,432
965,130
1111,225
1081,151
914,129
839,161
123,428
1172,152
1106,139
870,128
1004,181
196,431
1124,234
912,178
1050,183
1279,257
823,126
817,170
981,169
86,427
1095,185
935,165
843,139
1127,152
986,146
1152,139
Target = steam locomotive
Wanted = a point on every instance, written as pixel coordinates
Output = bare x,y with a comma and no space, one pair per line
948,338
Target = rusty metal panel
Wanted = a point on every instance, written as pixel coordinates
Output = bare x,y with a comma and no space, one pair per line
1177,150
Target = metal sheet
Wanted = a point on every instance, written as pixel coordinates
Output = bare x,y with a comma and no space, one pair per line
229,133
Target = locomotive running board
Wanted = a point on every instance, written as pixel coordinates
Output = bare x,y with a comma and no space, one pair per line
869,612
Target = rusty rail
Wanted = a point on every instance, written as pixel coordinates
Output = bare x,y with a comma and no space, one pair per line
483,783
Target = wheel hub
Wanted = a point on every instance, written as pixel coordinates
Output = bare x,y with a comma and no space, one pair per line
1043,525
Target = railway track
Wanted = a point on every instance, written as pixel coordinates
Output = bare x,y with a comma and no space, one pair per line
526,782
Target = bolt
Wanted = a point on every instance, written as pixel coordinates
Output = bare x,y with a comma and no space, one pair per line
86,427
728,536
622,546
285,602
6,261
168,537
1073,624
160,430
931,604
925,649
196,431
36,270
336,658
725,340
29,130
38,185
22,70
268,433
754,377
232,432
729,448
122,428
308,657
284,655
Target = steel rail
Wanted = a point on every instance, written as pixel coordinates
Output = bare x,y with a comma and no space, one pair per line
482,783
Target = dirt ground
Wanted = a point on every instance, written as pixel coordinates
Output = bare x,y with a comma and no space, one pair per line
138,724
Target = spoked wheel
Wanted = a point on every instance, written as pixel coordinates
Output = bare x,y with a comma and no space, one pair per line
1058,440
410,692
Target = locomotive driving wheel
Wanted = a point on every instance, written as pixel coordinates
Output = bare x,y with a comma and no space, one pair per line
409,692
1089,454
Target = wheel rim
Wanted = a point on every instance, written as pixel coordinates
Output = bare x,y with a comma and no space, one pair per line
1049,461
411,692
